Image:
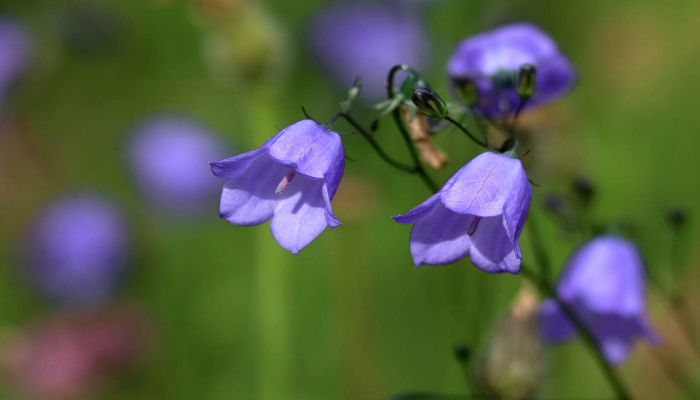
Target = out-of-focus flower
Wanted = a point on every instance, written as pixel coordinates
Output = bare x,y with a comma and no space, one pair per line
69,356
292,179
169,157
480,211
77,249
351,39
242,39
15,53
513,364
491,60
604,284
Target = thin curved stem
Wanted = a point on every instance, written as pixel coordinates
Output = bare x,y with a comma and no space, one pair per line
382,154
404,133
466,132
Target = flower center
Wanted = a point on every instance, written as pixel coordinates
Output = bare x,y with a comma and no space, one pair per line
286,180
473,225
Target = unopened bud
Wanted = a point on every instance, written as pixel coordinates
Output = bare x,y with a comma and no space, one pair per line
513,364
355,89
526,81
583,188
676,217
466,91
429,102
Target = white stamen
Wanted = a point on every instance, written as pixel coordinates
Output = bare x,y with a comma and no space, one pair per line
284,182
473,225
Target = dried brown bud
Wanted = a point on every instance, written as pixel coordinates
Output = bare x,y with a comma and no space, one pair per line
420,134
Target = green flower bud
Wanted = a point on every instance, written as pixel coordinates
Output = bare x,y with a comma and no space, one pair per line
429,102
526,81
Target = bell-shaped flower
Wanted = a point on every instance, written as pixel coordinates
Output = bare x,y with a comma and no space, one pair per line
168,156
77,249
604,284
480,211
491,61
291,179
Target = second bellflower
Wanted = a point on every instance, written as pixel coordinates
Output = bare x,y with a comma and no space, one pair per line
604,284
291,179
480,211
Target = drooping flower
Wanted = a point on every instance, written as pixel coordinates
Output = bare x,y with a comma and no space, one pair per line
77,249
291,179
168,156
15,52
351,39
480,211
604,284
491,61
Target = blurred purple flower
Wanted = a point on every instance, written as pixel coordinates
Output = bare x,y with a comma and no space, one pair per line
480,211
15,52
492,59
292,179
351,39
604,284
169,157
77,249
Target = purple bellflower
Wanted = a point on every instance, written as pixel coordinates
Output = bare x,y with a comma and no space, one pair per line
352,39
168,157
77,249
604,284
491,60
15,52
480,211
291,179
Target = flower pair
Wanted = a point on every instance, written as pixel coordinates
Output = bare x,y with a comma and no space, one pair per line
293,177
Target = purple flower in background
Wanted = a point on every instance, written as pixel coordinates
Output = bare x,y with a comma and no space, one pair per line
169,157
292,179
77,249
15,51
604,284
351,39
480,211
492,59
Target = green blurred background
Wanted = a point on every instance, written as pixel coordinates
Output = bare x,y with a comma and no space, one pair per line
236,316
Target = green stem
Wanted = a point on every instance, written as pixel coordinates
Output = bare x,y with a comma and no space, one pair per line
382,154
404,133
270,283
466,132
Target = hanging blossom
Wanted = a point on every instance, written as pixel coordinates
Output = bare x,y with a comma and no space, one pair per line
492,59
77,249
168,156
15,52
351,39
291,180
604,284
480,211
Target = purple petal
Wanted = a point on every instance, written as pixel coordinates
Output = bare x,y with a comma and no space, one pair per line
231,167
249,198
300,215
420,211
606,274
440,238
554,324
491,250
486,185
